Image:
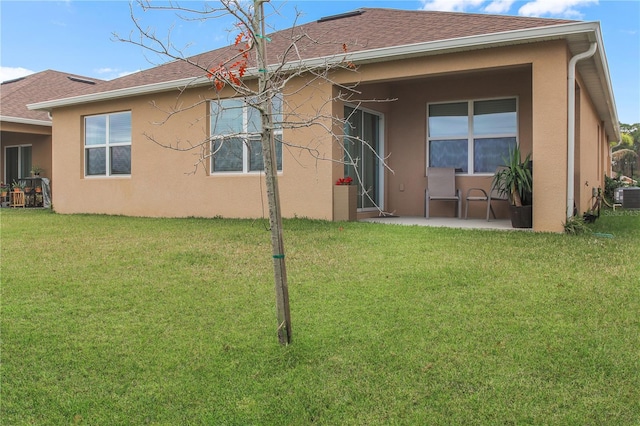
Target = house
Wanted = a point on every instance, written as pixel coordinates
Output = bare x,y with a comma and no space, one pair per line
25,135
462,89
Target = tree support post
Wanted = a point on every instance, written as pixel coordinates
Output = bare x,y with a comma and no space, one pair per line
271,170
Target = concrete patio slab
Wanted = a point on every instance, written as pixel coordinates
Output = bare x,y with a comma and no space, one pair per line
446,222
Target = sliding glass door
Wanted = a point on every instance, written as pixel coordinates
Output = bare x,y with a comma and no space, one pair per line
363,146
17,162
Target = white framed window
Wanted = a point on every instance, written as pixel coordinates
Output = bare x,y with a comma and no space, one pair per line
474,136
236,145
107,144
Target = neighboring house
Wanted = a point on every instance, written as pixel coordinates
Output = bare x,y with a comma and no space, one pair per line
25,135
466,87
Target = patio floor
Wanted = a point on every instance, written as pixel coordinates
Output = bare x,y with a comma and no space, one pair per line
446,222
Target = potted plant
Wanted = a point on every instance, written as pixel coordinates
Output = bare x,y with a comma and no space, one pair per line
36,170
345,202
4,189
18,186
515,181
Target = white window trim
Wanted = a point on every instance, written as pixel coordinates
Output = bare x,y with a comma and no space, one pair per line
106,146
470,136
246,137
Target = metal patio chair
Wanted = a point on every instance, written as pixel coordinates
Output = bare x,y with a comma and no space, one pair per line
479,194
441,186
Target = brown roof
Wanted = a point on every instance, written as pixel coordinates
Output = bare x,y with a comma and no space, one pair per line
361,30
17,93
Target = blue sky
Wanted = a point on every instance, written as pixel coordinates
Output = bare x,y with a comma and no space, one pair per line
76,36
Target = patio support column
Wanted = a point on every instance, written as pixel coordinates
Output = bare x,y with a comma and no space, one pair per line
549,129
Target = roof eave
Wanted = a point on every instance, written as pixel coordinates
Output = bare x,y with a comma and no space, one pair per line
612,128
385,54
119,93
481,41
29,121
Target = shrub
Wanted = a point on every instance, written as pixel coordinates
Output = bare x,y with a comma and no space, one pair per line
575,225
610,186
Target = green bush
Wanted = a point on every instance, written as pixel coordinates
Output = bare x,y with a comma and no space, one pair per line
610,186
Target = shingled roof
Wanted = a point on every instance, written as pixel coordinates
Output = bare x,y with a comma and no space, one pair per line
17,93
361,30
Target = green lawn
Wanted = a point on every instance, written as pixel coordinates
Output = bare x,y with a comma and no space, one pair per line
133,321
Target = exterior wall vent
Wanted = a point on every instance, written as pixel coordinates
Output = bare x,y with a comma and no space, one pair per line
341,15
80,80
13,80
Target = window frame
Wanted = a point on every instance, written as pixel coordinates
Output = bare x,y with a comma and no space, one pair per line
246,136
107,145
470,136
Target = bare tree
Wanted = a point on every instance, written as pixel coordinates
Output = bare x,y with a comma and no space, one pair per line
261,80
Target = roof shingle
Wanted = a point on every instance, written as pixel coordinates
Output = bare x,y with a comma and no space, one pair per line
373,28
16,94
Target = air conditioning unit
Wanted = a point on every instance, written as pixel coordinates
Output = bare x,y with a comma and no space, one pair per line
628,197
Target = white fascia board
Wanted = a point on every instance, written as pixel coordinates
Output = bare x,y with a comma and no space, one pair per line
29,121
374,55
611,101
475,42
119,93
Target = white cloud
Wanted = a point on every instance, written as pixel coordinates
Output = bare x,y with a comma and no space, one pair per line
499,6
9,73
106,70
450,5
123,73
111,73
569,9
562,8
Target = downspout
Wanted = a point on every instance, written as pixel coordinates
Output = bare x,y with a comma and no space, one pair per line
571,126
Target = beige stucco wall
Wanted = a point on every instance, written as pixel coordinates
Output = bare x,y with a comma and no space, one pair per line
168,182
591,150
536,74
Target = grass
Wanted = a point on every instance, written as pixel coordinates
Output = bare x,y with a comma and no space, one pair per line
121,321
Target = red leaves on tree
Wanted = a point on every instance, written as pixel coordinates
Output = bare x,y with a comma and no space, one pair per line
349,64
225,73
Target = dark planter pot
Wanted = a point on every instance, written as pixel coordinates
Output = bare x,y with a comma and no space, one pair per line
521,217
589,218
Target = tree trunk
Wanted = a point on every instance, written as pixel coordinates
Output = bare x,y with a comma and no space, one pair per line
271,173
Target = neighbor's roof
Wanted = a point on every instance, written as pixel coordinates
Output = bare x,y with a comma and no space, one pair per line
376,35
17,93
